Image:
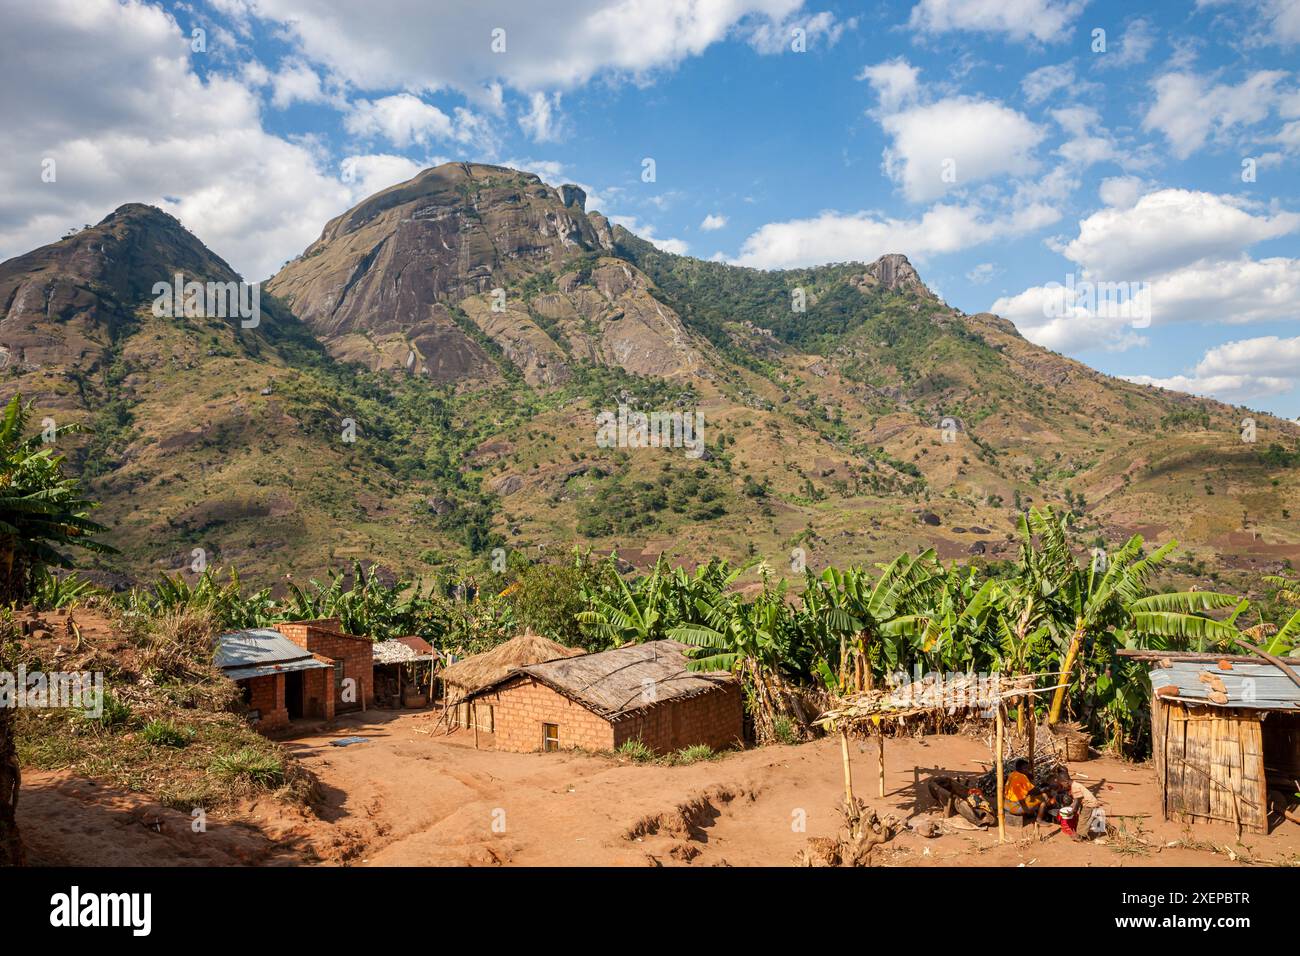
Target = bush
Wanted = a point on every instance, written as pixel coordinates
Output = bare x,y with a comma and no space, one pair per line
251,765
164,733
783,729
637,751
688,755
115,713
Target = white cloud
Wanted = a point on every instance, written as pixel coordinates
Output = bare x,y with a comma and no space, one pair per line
772,36
389,44
1038,85
370,173
1236,291
1168,229
865,236
647,232
133,122
541,121
295,82
1189,108
1267,22
713,221
1121,192
1240,370
1089,141
895,82
402,119
1134,44
1186,249
1046,21
983,273
956,142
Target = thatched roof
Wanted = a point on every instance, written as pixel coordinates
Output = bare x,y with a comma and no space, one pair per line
617,683
951,694
491,667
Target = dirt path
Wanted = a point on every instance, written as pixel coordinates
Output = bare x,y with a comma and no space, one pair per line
408,797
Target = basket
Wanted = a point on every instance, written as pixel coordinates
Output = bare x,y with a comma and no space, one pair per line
1073,743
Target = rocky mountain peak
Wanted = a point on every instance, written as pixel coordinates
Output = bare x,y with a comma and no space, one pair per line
894,273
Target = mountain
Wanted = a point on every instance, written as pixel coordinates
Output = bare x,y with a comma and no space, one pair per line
473,322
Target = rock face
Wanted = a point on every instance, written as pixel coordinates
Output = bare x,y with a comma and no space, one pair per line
62,305
409,276
893,273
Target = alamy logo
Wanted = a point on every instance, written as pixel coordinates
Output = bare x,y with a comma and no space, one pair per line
216,300
74,908
628,429
38,690
1127,301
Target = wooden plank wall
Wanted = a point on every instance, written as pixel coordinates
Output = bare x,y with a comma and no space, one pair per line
1209,763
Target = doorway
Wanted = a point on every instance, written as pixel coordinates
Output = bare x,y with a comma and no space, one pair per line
293,694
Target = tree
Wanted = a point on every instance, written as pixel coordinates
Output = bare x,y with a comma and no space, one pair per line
41,511
876,624
1108,593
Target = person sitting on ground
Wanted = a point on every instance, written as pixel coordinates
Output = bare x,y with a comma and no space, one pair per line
1021,798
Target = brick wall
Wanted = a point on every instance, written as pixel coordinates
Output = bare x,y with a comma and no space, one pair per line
353,657
266,695
715,718
522,705
318,690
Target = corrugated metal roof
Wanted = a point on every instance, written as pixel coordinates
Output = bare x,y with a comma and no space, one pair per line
262,670
257,647
1261,686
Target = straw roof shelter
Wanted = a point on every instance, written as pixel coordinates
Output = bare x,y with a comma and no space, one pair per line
985,695
642,692
616,683
463,679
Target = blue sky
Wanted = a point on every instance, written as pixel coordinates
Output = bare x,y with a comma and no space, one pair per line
1004,145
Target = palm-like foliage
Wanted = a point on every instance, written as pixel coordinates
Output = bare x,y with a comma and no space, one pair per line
649,607
877,624
41,510
1091,602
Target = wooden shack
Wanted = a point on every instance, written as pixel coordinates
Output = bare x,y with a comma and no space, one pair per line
1225,739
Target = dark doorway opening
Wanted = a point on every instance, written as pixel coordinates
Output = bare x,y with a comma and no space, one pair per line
1281,738
293,694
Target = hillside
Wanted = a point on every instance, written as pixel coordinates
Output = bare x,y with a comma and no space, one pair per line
472,323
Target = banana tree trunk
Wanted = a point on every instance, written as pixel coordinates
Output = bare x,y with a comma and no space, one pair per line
1058,698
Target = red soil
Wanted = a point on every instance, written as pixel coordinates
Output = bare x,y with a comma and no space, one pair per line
411,796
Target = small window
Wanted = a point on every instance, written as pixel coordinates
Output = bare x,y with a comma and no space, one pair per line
550,737
338,677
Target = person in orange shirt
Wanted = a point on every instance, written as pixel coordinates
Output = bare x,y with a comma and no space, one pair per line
1021,798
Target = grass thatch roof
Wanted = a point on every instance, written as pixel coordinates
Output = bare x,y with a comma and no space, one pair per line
950,694
627,679
482,670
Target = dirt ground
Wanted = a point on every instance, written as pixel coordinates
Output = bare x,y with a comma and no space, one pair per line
411,797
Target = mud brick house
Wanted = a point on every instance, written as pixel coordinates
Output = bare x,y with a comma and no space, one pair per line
465,678
353,658
1225,734
280,680
600,701
297,670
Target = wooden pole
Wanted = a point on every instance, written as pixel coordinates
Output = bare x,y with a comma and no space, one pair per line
848,771
1002,819
880,739
1033,719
